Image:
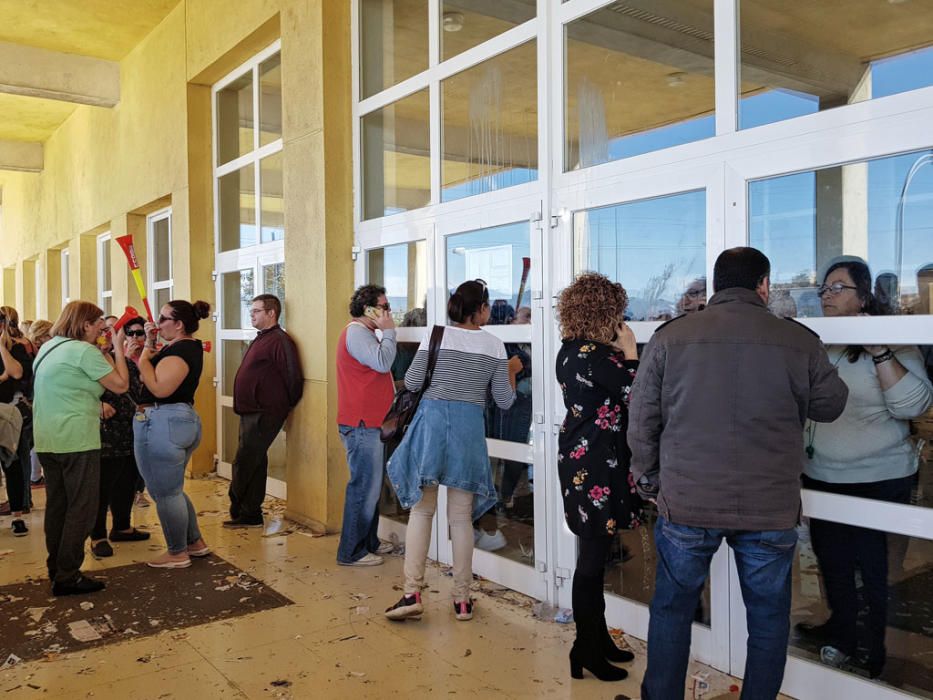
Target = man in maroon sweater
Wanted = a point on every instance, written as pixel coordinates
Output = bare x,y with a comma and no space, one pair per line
267,386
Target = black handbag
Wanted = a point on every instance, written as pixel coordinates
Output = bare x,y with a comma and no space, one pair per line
406,402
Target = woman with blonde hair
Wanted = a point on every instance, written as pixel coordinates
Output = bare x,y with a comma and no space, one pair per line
596,367
38,333
70,376
15,388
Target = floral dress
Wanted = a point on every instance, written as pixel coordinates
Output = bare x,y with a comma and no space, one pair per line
593,456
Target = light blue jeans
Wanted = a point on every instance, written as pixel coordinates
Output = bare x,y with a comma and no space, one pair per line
164,438
365,457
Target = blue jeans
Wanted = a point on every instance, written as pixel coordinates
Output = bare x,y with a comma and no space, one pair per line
164,438
764,560
366,458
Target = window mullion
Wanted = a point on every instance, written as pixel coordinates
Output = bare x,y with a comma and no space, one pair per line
727,52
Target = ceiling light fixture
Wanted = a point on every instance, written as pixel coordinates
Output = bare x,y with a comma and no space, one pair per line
452,21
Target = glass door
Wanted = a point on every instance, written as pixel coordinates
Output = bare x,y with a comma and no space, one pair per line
502,244
864,562
658,240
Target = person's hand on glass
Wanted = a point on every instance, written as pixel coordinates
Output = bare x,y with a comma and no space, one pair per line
625,342
515,365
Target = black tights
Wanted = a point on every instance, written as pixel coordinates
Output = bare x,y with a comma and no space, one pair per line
591,560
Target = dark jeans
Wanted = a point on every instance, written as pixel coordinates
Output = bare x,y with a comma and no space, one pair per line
71,490
14,485
251,464
764,560
841,550
117,489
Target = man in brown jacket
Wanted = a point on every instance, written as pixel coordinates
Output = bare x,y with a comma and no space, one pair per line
716,430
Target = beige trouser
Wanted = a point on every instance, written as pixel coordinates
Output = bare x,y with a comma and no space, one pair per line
418,539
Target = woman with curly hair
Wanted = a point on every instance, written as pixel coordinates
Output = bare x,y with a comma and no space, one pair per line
595,367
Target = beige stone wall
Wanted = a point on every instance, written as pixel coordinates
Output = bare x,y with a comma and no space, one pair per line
106,168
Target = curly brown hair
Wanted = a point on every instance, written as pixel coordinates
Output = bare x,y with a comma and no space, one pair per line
591,308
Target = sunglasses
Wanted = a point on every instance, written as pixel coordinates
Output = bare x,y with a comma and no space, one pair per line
137,334
163,319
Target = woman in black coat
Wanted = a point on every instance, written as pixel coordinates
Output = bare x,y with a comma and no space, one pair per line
596,367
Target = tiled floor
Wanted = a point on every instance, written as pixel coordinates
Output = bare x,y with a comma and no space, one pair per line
332,643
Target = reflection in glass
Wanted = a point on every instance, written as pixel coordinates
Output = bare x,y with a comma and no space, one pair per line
162,297
402,270
395,157
238,290
792,66
880,211
466,24
104,262
900,582
107,305
270,100
231,433
233,351
162,249
501,256
638,80
276,456
393,42
490,125
404,356
632,564
236,200
508,529
272,210
656,248
273,282
235,119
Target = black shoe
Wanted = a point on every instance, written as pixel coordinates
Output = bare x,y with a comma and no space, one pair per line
79,586
19,528
133,536
586,656
101,549
238,523
610,650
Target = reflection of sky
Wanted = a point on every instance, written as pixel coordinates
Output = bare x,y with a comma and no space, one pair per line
633,243
490,183
515,236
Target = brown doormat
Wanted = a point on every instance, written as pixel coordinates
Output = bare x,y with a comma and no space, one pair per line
138,601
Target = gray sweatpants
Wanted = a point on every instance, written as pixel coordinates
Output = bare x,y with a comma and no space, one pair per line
72,484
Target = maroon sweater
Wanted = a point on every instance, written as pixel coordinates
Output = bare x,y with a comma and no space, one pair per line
269,379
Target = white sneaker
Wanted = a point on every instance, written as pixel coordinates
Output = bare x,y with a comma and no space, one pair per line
366,560
489,543
385,548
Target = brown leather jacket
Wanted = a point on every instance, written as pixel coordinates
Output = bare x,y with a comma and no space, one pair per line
717,413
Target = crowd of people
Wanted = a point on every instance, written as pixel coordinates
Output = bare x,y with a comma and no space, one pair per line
715,425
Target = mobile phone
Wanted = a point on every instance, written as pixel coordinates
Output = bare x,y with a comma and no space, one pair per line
372,312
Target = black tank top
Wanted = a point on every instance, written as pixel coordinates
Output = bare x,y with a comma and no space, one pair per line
192,353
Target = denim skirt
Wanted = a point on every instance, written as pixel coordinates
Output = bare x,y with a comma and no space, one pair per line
445,444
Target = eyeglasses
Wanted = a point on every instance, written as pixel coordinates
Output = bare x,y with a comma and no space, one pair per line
834,289
256,311
163,319
137,334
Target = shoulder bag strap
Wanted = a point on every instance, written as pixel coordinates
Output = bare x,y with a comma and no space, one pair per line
35,365
433,349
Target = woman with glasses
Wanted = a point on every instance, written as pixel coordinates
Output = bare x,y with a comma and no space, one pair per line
70,375
118,471
866,452
167,429
446,444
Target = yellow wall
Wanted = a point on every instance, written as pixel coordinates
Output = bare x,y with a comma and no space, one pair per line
106,168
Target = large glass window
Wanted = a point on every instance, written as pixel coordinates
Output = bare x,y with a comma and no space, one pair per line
466,23
235,119
236,201
104,284
393,42
791,64
489,125
238,290
637,80
402,270
656,248
65,259
272,206
159,237
396,164
878,212
270,100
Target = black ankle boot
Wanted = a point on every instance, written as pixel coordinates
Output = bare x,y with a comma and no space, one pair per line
587,655
610,650
588,650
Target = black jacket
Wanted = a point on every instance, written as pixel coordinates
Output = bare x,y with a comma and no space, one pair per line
269,378
717,412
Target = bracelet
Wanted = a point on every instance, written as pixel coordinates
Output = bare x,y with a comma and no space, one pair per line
883,357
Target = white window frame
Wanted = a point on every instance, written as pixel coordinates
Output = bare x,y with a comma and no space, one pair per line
65,264
103,247
152,283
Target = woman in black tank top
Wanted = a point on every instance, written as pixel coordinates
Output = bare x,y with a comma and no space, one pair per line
167,429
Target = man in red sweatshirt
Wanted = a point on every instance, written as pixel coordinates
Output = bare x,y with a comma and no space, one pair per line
267,386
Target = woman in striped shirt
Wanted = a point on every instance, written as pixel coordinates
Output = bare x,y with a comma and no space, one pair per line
446,444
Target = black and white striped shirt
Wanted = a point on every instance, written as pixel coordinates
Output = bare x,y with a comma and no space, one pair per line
468,363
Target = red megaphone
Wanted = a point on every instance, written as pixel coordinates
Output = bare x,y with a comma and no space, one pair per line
206,344
128,314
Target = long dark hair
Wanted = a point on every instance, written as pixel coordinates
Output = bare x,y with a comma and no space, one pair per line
469,298
861,279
